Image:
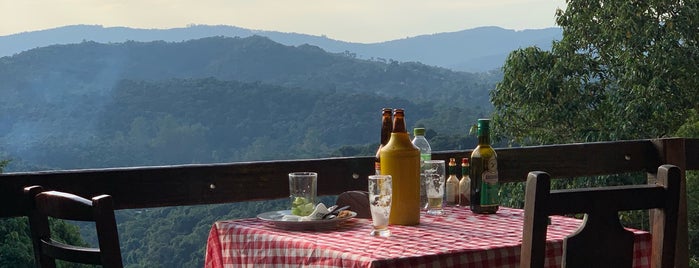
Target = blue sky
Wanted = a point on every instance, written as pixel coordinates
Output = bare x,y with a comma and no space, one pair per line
349,20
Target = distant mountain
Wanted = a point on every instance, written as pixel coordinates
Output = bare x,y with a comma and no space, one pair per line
93,96
473,50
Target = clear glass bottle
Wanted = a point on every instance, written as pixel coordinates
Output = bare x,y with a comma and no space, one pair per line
386,129
423,145
401,159
464,184
484,173
452,185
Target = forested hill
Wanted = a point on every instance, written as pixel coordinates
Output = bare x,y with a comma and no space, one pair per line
98,66
214,99
478,49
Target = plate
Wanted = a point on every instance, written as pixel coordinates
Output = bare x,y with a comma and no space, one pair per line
275,219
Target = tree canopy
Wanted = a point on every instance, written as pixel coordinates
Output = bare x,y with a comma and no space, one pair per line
623,70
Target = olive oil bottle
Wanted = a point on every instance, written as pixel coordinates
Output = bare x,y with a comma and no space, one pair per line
484,173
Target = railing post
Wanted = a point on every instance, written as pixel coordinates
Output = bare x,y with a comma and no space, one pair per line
672,151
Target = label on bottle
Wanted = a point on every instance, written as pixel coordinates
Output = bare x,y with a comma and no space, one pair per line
490,173
452,191
489,185
484,184
464,191
425,157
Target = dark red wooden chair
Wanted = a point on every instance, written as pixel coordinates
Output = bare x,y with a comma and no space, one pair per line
67,206
601,240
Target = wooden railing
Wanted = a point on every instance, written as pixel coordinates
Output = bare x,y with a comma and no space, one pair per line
148,187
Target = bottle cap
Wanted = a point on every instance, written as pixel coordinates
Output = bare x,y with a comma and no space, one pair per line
483,126
419,131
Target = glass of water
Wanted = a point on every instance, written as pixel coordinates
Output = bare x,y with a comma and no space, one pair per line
433,178
380,194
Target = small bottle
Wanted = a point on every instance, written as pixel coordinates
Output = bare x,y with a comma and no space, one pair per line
421,143
401,159
452,185
484,173
464,184
386,128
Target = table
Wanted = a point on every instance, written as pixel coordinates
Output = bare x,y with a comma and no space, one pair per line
458,239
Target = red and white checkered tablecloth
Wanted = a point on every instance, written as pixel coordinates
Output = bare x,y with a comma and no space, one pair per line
458,239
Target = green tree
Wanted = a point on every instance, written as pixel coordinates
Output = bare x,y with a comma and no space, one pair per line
623,70
691,129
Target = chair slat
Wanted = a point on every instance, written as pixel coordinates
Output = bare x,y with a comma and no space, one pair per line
614,198
70,253
64,206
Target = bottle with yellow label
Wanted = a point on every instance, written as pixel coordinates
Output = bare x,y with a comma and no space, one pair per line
401,159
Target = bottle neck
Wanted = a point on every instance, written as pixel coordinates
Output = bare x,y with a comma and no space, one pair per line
399,124
484,138
386,130
386,125
452,170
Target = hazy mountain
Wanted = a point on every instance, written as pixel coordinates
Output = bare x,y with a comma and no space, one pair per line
56,99
474,50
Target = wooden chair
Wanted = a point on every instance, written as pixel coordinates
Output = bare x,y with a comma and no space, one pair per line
72,207
601,240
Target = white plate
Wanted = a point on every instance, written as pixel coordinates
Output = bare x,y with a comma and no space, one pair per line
275,219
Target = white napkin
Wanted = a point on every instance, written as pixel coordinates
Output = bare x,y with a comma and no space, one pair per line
317,214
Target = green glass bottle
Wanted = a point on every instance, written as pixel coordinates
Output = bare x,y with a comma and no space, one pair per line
484,173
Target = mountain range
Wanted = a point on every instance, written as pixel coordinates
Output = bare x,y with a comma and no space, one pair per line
473,50
109,97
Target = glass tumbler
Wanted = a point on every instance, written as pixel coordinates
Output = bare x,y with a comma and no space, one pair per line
380,194
433,179
302,192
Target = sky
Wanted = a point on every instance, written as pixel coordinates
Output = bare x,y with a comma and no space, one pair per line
363,21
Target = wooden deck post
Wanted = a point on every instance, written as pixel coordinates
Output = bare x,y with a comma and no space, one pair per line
673,151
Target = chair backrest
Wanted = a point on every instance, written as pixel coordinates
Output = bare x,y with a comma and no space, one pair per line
601,240
67,206
358,202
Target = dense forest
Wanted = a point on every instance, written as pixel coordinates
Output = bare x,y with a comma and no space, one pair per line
234,98
216,99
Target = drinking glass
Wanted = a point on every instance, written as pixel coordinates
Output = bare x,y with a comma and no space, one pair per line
380,192
302,192
433,179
